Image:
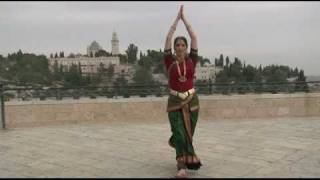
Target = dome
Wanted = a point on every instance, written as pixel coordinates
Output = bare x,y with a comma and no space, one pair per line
94,46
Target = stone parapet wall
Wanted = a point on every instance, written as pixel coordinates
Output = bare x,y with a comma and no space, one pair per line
153,109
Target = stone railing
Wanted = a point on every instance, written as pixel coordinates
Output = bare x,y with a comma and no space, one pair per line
153,109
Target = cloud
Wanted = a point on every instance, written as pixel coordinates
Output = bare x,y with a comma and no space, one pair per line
52,13
260,32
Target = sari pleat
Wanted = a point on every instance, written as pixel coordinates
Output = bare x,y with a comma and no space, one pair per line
183,117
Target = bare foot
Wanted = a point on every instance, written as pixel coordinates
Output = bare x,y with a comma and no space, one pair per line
182,173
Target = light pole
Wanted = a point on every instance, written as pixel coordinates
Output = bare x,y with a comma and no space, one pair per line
3,122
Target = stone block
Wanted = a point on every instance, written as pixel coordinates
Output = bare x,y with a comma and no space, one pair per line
283,111
298,111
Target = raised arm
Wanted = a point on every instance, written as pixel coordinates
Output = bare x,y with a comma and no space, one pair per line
171,31
194,41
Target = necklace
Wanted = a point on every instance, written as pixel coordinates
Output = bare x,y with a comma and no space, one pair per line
182,78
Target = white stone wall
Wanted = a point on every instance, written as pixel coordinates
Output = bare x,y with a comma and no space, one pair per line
206,72
88,64
115,47
214,107
127,69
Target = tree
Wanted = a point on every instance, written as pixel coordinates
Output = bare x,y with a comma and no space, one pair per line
142,76
152,60
121,80
296,71
56,55
100,72
123,58
145,62
101,68
79,69
301,84
301,76
61,54
73,76
278,76
203,60
237,62
61,69
156,58
56,74
4,66
227,61
221,60
251,74
260,68
222,77
71,55
110,71
19,56
132,53
19,53
102,53
235,71
51,55
28,68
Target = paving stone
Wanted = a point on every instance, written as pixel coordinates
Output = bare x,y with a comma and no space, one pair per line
261,148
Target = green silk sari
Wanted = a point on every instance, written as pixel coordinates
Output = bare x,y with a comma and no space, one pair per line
183,117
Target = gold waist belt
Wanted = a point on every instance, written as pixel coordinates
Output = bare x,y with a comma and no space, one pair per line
182,95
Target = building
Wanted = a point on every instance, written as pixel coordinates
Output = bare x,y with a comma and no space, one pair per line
126,70
93,48
115,44
206,72
89,63
161,78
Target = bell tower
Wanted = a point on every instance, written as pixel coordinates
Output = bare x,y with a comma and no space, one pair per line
115,44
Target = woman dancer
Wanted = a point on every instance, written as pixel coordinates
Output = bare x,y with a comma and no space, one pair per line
183,103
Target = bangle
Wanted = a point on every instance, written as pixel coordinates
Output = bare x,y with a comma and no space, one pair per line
188,26
173,28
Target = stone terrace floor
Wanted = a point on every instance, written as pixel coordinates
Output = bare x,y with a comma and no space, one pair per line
283,147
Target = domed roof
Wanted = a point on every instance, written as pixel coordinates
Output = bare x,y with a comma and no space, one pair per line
94,45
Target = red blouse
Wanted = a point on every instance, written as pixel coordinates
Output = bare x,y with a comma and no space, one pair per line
191,62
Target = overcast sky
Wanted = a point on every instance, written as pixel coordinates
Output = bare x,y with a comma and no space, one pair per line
284,33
